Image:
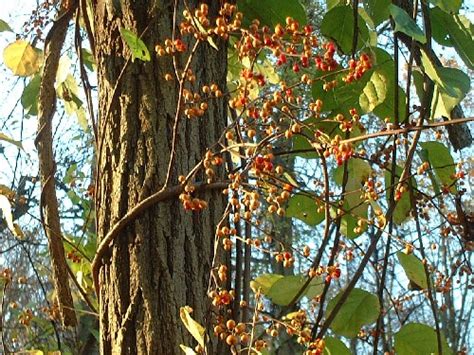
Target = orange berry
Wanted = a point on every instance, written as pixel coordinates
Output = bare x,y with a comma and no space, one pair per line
231,340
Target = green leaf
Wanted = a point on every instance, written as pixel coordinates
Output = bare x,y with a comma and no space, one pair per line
29,97
440,159
264,282
196,329
305,209
374,92
439,32
88,59
461,32
95,333
290,179
334,346
418,339
402,210
382,61
418,82
285,289
414,269
332,3
378,10
384,64
370,26
430,68
282,289
262,66
387,108
342,97
272,12
5,27
404,23
358,171
451,6
315,288
5,138
348,221
458,82
22,59
338,24
360,308
441,76
303,147
136,45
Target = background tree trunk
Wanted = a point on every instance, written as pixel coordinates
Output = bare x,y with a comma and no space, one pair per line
162,260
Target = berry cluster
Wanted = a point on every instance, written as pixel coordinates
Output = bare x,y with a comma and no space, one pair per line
358,68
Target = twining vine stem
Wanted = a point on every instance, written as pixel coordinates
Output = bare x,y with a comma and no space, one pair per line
136,211
49,211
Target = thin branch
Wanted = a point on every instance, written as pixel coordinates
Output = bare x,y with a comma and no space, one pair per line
373,244
408,129
4,340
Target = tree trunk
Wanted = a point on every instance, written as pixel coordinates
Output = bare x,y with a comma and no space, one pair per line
161,261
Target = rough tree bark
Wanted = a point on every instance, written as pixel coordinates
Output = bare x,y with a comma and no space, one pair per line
162,259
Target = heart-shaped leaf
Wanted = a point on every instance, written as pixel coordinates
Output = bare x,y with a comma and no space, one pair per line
136,45
22,59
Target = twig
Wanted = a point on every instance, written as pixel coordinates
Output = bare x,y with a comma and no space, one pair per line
332,257
85,17
254,321
83,74
372,246
407,129
43,290
425,266
82,291
179,105
355,34
4,341
380,321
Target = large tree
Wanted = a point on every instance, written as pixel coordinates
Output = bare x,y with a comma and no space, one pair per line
161,260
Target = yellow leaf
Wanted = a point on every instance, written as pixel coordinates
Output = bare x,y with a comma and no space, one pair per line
18,232
5,190
187,350
196,329
4,137
5,207
22,59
